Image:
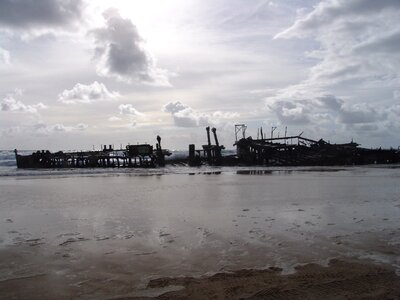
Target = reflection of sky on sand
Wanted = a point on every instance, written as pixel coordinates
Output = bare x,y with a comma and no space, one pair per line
180,224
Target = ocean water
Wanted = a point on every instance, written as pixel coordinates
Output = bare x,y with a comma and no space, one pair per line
127,226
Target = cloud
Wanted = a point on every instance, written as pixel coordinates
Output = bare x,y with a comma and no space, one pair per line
4,57
395,110
225,115
360,113
80,127
114,119
331,12
121,53
40,14
82,93
359,40
189,118
356,67
128,109
174,107
387,43
10,104
11,131
330,102
327,107
41,129
185,116
291,113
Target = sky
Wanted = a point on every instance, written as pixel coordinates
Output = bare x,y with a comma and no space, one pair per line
76,74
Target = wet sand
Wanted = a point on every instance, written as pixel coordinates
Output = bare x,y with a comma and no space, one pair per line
339,280
128,236
98,278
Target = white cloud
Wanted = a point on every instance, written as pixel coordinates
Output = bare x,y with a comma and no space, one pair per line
388,42
128,109
360,114
342,77
188,118
10,104
331,12
174,107
114,119
357,65
185,116
121,53
319,109
224,115
11,131
82,93
359,41
4,57
291,113
41,129
81,127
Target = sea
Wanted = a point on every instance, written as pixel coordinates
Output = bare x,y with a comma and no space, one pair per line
102,224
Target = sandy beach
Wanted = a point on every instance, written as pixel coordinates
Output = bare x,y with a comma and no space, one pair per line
302,233
199,149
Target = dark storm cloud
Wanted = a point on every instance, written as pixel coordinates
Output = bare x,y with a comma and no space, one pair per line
30,14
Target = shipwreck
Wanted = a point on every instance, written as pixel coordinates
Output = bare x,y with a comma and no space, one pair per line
294,150
133,156
300,151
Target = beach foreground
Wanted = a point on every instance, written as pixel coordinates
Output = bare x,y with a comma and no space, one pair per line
331,233
338,280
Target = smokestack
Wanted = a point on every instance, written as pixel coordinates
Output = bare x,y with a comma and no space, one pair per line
214,130
208,135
